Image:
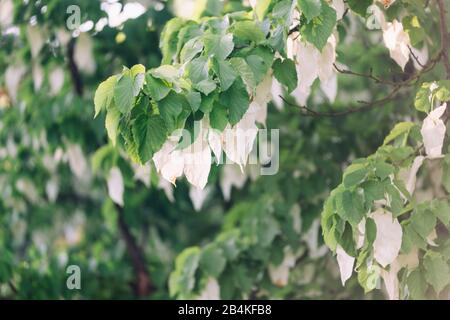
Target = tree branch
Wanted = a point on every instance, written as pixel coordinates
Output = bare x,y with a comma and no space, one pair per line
74,72
444,37
364,75
142,285
444,50
369,105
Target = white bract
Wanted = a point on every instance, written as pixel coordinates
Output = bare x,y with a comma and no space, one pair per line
311,64
198,197
388,239
312,241
237,141
421,57
433,132
77,162
56,79
277,91
345,263
52,189
36,39
230,177
339,7
391,280
395,38
361,234
397,41
6,13
84,55
194,160
115,186
38,75
13,76
279,275
142,173
211,290
411,182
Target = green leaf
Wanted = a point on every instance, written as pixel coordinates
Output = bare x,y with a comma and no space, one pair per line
212,261
129,141
411,239
437,271
286,73
373,190
104,94
206,86
168,40
248,30
443,92
218,117
208,102
244,70
170,108
260,60
155,88
359,6
399,129
395,200
415,30
194,98
383,170
261,8
350,207
166,72
446,173
225,73
191,49
422,101
123,94
310,8
218,46
368,277
441,209
268,228
319,29
347,241
354,174
150,133
236,99
191,31
137,69
417,285
197,69
112,123
423,221
182,279
371,231
282,9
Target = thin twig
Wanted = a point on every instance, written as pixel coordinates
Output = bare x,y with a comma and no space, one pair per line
364,75
366,106
142,285
416,58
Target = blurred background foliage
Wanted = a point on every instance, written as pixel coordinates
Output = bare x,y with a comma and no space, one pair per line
54,205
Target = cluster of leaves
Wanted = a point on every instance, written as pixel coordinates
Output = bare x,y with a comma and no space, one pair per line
210,67
386,180
206,65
